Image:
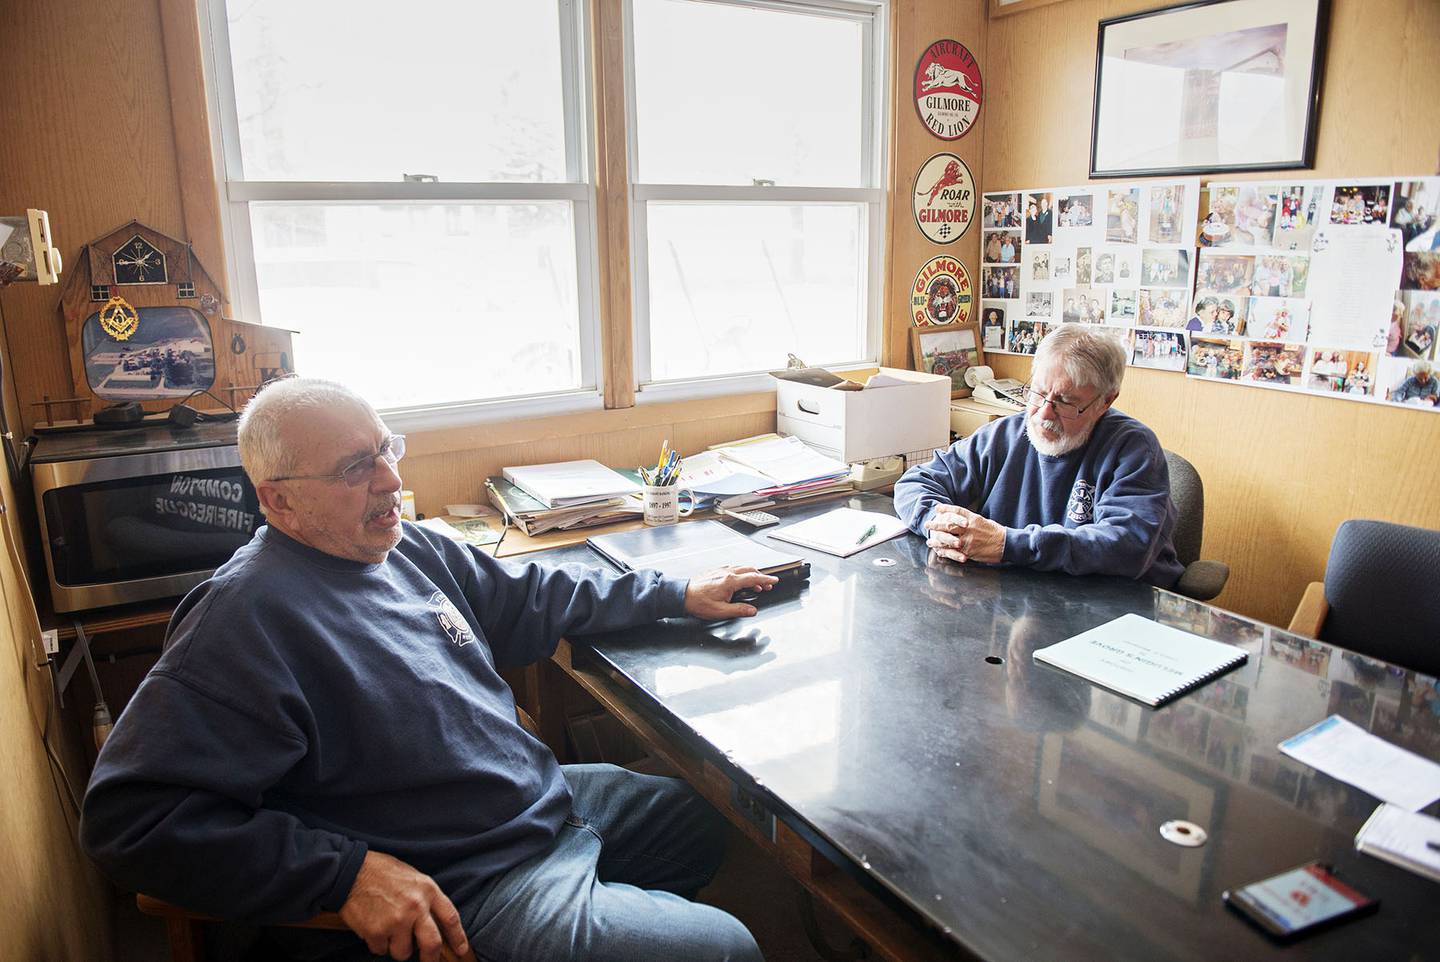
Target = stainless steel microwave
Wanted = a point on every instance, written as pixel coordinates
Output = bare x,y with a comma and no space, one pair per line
141,513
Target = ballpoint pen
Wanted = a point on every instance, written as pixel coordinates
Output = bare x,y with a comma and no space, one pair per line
869,532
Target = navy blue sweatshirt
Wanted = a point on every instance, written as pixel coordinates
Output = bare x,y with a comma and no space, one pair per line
1102,509
308,708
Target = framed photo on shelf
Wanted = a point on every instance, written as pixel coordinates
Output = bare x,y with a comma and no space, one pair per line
950,350
1208,87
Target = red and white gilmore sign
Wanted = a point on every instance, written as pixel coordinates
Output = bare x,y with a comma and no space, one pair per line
941,293
943,198
948,89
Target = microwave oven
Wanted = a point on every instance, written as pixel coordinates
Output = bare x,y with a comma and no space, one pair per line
141,513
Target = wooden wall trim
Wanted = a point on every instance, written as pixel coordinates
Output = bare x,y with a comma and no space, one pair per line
592,423
194,157
612,202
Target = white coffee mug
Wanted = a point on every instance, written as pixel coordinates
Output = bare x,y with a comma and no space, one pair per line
662,503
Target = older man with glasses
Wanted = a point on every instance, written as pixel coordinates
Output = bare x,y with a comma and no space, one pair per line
327,731
1069,485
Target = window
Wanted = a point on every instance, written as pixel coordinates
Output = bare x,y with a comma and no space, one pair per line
756,163
409,190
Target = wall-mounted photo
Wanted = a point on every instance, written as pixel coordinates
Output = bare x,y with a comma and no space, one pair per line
1205,87
1416,212
1002,246
1167,214
1000,282
1122,216
1001,210
1216,357
1164,350
1340,372
1077,210
1159,307
1039,218
1270,362
948,351
1360,204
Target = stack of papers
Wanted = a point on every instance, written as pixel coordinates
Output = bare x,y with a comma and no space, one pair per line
533,517
790,469
570,483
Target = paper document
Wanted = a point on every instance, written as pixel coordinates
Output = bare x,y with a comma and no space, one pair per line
1353,275
709,473
785,460
1400,838
843,531
687,550
1344,750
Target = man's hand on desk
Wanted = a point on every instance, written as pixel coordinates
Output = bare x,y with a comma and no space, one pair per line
962,535
708,596
392,905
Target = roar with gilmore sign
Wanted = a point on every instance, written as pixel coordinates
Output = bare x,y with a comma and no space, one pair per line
941,293
944,198
948,89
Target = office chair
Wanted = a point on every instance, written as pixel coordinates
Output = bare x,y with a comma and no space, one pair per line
1378,597
1201,580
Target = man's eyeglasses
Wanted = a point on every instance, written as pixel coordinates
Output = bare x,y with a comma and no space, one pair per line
1067,410
361,470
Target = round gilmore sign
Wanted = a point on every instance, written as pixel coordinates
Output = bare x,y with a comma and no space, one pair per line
944,198
941,293
948,89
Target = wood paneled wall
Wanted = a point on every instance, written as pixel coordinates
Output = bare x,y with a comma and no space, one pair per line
1281,471
915,25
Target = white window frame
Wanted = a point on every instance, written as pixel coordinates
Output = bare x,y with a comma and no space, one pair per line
578,189
872,16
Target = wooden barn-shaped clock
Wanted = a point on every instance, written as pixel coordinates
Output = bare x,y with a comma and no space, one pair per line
143,323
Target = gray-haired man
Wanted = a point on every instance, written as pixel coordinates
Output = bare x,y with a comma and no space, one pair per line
327,731
1070,485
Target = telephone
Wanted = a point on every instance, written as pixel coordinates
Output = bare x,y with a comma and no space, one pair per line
1005,392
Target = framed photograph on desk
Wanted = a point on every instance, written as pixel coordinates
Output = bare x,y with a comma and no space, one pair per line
950,350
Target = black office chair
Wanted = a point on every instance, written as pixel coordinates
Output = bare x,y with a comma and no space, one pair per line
1201,580
1378,597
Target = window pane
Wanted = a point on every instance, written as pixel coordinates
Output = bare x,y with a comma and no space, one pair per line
422,304
734,288
728,95
359,90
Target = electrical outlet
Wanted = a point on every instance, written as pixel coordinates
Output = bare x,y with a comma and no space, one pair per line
51,639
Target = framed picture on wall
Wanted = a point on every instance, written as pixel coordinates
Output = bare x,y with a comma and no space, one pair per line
950,350
1209,86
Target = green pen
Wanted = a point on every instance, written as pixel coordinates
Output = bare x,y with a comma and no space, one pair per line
869,532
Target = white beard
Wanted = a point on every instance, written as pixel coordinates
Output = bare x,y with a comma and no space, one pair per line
1064,445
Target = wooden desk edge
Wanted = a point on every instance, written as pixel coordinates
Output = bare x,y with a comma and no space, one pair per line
843,895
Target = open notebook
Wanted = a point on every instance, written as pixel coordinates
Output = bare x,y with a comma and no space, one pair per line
1143,659
842,531
686,550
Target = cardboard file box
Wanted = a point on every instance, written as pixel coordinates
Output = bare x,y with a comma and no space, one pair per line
854,425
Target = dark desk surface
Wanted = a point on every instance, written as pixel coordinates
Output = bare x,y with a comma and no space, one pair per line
1017,807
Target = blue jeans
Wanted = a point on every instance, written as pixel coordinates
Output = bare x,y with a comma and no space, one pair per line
614,886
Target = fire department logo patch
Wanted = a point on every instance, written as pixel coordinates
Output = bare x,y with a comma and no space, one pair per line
451,621
943,198
1081,508
948,90
941,293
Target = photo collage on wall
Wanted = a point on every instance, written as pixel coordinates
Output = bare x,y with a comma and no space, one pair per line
1329,287
1116,255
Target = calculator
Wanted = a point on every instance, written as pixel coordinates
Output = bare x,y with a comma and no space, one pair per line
758,519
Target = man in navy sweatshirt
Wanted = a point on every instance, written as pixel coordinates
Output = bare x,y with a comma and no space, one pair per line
327,731
1070,485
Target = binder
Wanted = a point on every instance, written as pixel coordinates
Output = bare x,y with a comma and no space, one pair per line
1143,659
686,550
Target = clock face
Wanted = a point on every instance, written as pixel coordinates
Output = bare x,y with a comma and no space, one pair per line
139,262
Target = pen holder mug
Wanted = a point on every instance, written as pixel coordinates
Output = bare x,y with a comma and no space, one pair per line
662,503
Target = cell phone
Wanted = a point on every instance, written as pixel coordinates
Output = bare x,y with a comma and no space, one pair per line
1300,901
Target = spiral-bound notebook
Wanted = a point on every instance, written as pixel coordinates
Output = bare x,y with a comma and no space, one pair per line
1143,659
